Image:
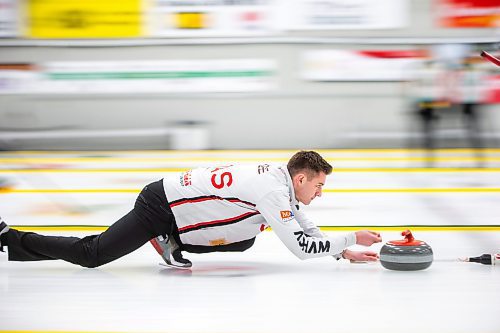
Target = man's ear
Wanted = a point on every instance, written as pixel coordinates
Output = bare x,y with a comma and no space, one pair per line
301,178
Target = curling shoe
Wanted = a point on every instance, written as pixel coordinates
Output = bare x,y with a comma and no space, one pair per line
170,252
4,228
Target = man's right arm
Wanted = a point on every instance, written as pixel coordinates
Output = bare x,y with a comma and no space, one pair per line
275,207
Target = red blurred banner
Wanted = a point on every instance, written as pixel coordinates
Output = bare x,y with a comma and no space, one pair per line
493,92
469,13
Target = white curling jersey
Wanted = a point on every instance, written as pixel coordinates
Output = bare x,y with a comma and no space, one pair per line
228,204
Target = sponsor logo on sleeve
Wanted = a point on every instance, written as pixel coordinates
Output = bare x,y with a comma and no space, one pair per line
286,215
309,245
185,178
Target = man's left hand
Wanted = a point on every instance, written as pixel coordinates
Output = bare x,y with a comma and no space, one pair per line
360,255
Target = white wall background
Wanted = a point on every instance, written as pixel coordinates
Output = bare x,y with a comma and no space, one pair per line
297,114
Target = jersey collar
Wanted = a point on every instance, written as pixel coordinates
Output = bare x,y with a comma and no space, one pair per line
293,200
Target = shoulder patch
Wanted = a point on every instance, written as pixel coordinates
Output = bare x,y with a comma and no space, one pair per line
263,168
286,215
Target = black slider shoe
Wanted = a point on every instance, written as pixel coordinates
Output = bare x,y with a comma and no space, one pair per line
170,252
4,228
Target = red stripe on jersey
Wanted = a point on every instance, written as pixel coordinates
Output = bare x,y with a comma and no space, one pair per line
238,200
215,223
206,198
185,201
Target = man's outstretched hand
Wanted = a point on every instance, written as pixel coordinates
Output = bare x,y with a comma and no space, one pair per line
367,237
360,256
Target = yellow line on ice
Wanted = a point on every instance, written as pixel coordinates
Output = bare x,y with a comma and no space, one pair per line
7,160
416,170
94,170
252,151
413,190
58,190
480,228
115,159
170,170
413,228
340,190
59,228
65,331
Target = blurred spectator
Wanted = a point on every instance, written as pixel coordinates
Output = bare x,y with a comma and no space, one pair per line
429,99
445,90
471,100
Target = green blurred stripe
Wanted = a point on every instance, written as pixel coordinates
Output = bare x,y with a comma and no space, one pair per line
155,75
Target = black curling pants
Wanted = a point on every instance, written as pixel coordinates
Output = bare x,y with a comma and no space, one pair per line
150,218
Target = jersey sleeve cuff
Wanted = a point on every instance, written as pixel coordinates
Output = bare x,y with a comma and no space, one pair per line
351,239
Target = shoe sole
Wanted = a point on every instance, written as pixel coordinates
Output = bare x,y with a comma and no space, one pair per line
176,267
4,228
160,251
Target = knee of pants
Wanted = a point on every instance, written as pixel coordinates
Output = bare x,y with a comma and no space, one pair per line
89,261
89,257
90,264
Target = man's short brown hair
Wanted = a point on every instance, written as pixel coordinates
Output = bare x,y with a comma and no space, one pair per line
309,162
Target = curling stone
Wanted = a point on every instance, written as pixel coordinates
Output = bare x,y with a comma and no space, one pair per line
407,254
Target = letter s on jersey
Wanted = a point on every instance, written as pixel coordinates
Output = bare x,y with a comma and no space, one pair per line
221,182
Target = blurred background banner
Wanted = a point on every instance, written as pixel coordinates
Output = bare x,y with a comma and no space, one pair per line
469,13
195,18
367,65
148,76
347,14
227,18
8,18
18,78
84,19
493,92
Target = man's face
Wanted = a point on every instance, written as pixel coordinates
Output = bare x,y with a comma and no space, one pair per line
306,189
